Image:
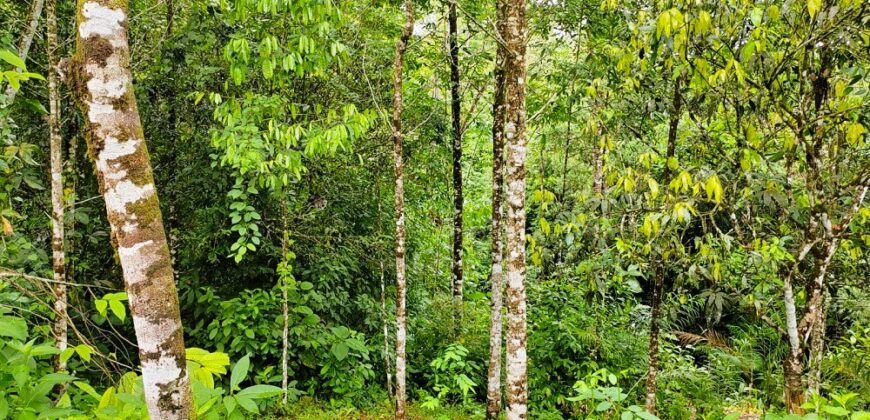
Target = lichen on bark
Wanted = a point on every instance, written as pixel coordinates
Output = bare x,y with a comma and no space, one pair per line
101,81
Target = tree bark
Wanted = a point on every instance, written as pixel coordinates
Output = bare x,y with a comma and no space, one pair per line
493,393
387,367
598,175
27,40
285,306
170,16
792,368
401,333
58,262
659,283
101,80
455,109
515,140
815,316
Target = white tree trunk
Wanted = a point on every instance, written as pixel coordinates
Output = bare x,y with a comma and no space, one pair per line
515,140
101,80
493,392
401,292
55,150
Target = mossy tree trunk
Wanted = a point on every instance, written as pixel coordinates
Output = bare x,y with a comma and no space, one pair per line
58,262
101,79
515,29
493,392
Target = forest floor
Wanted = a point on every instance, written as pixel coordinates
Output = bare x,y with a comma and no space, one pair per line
310,410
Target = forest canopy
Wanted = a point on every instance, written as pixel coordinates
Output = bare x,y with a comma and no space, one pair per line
319,209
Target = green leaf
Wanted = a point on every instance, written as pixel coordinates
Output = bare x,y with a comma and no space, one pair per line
603,406
101,305
340,350
13,327
84,386
84,351
836,411
66,354
260,391
215,363
118,309
247,403
240,371
813,7
12,59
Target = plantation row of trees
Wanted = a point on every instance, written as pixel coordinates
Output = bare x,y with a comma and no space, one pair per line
596,209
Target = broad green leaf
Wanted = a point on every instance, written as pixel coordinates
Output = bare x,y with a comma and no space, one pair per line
84,351
340,351
13,327
247,403
240,371
259,391
118,309
12,59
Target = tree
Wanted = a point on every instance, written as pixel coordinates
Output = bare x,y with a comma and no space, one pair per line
661,271
401,284
101,81
57,200
456,119
515,27
493,393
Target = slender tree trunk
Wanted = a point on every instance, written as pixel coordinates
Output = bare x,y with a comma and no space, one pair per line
493,393
598,175
27,40
57,222
792,368
653,351
568,131
101,80
285,307
515,140
815,316
817,349
170,16
659,283
455,109
388,369
401,46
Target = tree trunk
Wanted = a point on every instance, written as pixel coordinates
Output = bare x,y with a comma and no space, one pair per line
653,351
101,80
455,109
659,283
493,393
792,369
170,16
387,367
401,46
598,175
58,262
27,40
515,140
285,306
815,316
